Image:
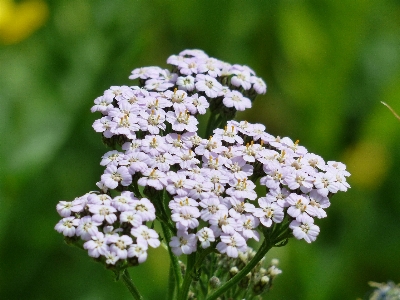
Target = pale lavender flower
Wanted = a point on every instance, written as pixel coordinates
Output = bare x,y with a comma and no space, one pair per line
241,78
211,206
305,230
239,168
299,207
119,245
186,218
87,228
183,243
67,226
145,209
258,85
222,223
146,72
237,100
268,212
299,179
200,103
162,161
185,83
242,189
182,120
232,244
113,176
103,212
209,85
325,183
146,235
104,125
111,157
103,104
179,202
64,208
319,202
135,162
246,225
139,251
124,201
153,178
154,145
205,237
131,217
111,257
97,245
152,122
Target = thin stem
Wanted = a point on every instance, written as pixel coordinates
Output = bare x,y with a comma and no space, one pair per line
171,283
210,124
190,267
174,260
126,279
266,245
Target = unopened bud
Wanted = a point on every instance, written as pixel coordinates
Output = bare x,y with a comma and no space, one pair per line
274,261
233,271
273,271
214,282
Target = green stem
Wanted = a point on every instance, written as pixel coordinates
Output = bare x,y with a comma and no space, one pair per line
266,245
210,124
171,283
174,260
190,267
126,279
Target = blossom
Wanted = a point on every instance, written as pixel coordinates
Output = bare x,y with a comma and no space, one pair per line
208,184
139,251
183,243
67,226
119,245
97,245
114,175
87,228
237,100
145,235
305,229
232,244
209,85
205,236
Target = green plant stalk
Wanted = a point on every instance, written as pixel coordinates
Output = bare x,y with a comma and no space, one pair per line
190,267
174,260
126,279
265,247
171,284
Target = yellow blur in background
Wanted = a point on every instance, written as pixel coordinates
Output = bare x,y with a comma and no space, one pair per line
19,20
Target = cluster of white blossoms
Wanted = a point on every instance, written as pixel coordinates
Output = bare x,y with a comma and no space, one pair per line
202,188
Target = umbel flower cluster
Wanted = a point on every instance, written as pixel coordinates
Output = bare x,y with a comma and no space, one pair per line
200,186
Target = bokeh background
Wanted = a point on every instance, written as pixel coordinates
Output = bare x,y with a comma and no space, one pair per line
328,64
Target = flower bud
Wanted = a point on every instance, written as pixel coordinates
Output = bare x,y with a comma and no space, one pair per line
214,282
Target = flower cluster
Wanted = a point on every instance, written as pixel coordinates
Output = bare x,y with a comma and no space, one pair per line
93,216
202,188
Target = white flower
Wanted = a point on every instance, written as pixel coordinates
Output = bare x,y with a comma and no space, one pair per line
232,244
305,229
183,243
145,235
67,226
139,251
205,236
209,85
237,100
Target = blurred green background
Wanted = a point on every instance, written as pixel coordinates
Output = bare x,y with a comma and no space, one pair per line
328,64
